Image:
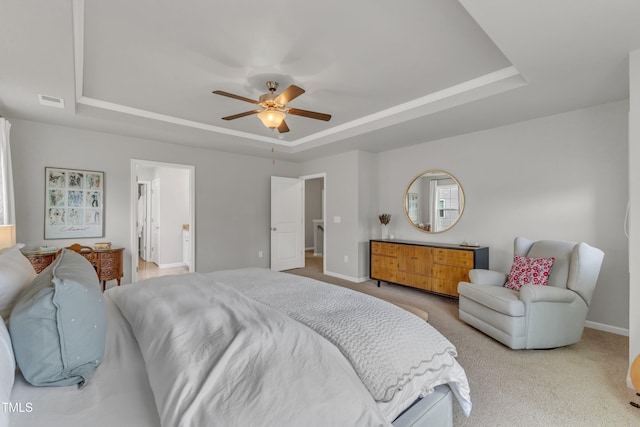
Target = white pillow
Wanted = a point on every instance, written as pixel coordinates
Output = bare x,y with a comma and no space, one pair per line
16,272
7,372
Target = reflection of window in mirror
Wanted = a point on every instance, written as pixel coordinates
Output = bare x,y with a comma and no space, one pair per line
412,206
448,204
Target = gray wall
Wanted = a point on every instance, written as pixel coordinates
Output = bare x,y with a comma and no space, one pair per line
559,177
369,226
341,199
232,191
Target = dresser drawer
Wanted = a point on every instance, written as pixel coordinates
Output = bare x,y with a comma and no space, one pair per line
40,262
109,263
381,248
449,272
384,262
446,287
109,273
453,257
109,255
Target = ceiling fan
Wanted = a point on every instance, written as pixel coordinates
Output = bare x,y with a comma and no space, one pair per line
274,107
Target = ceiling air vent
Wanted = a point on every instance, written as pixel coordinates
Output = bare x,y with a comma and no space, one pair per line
51,101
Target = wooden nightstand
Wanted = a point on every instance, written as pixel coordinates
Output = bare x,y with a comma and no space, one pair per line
108,263
39,260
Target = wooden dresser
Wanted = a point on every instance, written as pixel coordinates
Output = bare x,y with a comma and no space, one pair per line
108,263
434,267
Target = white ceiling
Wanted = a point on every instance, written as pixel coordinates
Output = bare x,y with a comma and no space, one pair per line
390,74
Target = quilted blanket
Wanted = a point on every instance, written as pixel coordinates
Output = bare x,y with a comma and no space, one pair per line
388,347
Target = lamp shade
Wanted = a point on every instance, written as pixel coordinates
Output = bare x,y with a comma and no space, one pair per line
271,118
7,236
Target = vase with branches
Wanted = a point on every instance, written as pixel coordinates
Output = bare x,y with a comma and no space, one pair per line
385,219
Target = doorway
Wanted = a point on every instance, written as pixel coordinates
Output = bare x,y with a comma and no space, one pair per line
314,226
315,220
162,218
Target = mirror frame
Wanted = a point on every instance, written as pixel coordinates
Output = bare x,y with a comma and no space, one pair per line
406,192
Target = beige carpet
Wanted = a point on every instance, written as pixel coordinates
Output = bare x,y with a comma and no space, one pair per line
579,385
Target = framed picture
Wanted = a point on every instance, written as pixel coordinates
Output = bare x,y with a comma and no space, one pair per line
74,203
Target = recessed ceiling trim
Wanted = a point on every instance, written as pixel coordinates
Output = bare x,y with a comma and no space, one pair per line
485,85
78,45
175,120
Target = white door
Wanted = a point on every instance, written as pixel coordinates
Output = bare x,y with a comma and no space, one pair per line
155,220
286,223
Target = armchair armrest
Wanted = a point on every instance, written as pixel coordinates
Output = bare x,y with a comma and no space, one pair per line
487,277
538,293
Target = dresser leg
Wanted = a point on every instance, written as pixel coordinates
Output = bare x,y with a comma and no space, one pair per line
378,283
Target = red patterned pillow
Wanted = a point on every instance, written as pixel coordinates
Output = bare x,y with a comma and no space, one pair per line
529,271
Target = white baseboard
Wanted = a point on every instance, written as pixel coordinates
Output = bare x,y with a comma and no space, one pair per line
310,248
607,328
344,277
172,265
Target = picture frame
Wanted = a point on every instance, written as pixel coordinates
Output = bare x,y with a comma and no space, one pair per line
74,203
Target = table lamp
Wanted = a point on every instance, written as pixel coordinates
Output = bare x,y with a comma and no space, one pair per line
7,236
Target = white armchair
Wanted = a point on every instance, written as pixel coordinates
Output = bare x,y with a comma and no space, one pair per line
535,316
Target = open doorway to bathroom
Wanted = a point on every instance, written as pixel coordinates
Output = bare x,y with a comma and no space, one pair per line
162,238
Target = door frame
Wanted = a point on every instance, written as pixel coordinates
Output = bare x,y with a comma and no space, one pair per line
155,220
133,233
147,218
304,178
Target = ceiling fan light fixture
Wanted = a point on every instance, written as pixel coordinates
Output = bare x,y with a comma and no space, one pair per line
271,118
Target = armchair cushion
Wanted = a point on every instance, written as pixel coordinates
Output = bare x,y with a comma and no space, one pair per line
529,271
498,298
531,294
487,277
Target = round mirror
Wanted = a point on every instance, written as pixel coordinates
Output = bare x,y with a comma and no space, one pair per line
434,201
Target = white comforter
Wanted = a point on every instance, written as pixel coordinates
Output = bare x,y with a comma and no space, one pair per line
224,349
217,358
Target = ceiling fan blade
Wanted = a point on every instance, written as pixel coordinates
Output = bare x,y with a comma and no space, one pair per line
237,116
231,95
283,127
290,93
309,114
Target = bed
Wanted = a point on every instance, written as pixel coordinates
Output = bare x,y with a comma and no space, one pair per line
255,347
